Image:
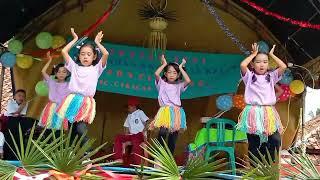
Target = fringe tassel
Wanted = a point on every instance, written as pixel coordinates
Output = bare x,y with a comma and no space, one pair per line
172,118
260,120
76,108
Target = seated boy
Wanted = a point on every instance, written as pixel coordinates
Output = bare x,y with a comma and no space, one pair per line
18,105
135,132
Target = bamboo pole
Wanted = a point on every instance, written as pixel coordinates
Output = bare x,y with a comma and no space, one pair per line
1,84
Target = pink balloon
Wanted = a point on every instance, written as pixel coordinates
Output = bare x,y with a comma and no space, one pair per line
286,93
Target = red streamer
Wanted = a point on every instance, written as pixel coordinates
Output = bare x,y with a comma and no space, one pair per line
103,18
303,24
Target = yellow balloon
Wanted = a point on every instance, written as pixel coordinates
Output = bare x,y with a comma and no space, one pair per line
57,41
297,87
24,61
272,64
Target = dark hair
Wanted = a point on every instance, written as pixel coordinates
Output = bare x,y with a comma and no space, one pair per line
94,50
137,106
20,90
56,68
176,67
254,78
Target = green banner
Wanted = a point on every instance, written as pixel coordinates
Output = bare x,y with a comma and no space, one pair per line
130,71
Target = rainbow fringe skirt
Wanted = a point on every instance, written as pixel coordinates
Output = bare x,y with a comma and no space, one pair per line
172,118
260,120
49,118
76,108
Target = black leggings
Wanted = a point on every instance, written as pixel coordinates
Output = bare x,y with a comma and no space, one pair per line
273,144
78,129
172,138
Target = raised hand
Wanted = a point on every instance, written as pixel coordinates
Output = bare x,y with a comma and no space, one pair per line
255,48
49,57
74,35
98,38
183,63
272,49
163,60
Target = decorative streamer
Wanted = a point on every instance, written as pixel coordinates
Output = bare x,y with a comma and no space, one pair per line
303,24
102,19
225,29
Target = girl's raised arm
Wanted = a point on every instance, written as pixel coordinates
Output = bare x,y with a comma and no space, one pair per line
186,77
105,53
66,49
160,69
244,64
45,67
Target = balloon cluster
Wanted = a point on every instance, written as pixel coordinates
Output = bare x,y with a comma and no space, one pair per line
9,59
44,40
290,86
14,56
226,102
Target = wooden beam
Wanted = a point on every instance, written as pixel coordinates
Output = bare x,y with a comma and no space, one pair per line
313,65
50,15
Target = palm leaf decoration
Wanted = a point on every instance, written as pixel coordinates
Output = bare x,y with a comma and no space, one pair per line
30,157
305,169
264,168
139,171
70,156
7,170
156,8
196,168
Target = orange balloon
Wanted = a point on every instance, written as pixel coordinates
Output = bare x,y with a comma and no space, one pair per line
238,101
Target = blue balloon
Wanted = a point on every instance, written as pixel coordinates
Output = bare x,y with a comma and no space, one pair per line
287,77
287,72
263,47
224,102
8,59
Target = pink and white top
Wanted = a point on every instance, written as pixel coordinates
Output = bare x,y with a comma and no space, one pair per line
83,79
169,93
57,91
261,92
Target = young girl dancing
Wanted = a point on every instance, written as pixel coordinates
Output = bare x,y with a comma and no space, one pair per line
171,116
58,90
259,118
79,107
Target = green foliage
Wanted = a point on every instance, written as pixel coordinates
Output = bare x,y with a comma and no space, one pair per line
196,168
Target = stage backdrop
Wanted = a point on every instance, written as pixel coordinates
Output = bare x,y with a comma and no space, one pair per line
131,69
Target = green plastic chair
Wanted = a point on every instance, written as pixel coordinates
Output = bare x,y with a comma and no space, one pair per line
221,144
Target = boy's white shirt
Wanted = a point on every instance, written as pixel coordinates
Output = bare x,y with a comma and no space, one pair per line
135,121
13,106
2,140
